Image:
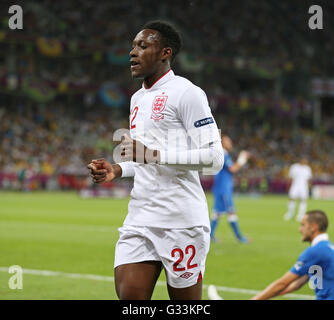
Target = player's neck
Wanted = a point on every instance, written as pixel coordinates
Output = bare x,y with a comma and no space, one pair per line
150,81
315,235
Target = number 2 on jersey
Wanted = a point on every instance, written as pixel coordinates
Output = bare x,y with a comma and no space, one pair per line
133,115
181,256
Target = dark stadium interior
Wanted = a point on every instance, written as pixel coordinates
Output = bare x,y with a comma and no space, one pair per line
65,84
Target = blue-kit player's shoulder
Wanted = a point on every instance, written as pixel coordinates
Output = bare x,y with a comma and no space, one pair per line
316,250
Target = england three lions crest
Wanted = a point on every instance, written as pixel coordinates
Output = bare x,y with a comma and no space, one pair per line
158,106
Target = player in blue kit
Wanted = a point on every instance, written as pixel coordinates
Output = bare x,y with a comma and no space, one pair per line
223,191
316,263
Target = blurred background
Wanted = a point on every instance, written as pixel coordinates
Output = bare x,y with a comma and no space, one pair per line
65,85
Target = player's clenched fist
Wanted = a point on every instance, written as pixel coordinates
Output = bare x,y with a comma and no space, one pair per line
102,171
243,157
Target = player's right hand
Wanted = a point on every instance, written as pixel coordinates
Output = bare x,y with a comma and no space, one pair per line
101,171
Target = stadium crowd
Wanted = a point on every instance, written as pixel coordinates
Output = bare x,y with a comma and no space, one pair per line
58,109
53,142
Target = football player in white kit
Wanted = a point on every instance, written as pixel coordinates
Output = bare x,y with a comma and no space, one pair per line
300,175
167,225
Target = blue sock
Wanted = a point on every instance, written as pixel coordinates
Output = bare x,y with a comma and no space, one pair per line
233,221
235,226
214,224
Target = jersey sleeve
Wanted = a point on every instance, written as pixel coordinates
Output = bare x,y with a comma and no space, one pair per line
304,262
196,116
209,160
206,153
128,168
228,161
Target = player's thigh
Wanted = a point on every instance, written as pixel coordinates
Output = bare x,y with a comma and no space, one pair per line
136,281
220,204
190,293
229,203
294,193
137,265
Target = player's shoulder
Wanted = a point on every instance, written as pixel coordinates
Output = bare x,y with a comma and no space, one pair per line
308,168
136,96
226,154
317,250
309,253
293,168
139,92
184,85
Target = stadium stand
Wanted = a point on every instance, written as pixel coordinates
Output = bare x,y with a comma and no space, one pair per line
65,84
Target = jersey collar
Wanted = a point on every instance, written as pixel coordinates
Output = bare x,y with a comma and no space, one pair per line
318,238
163,79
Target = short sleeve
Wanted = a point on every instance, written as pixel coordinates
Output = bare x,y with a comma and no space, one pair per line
304,262
196,116
227,161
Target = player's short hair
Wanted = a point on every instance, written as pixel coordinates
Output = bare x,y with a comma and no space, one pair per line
169,35
319,217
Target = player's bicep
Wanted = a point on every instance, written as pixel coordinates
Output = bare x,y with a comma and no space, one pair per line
196,116
304,262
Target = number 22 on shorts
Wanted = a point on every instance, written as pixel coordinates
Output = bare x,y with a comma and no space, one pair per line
190,250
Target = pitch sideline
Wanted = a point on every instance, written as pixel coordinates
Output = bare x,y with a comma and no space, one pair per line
49,273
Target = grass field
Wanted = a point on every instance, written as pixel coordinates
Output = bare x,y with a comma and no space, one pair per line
65,245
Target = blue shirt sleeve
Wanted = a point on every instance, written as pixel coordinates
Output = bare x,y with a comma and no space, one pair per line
304,262
227,161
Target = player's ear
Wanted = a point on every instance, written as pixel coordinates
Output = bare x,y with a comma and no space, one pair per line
314,227
166,54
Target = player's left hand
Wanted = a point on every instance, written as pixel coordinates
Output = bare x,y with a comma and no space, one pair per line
246,153
134,150
243,157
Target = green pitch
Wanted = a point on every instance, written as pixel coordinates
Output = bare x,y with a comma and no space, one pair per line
66,244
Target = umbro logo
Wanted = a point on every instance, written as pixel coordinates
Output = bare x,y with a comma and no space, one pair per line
186,275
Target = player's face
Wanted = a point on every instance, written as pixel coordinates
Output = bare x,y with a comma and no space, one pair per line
145,54
306,229
303,161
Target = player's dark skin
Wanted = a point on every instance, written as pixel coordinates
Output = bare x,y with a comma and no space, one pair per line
136,281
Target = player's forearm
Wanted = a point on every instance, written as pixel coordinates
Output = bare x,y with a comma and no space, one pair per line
271,291
211,157
234,168
295,285
241,161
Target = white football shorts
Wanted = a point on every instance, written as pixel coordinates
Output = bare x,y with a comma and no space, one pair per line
299,192
182,251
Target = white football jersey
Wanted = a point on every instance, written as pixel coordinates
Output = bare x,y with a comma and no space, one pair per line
165,196
300,175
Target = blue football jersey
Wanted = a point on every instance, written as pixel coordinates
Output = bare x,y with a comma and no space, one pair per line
319,255
223,180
